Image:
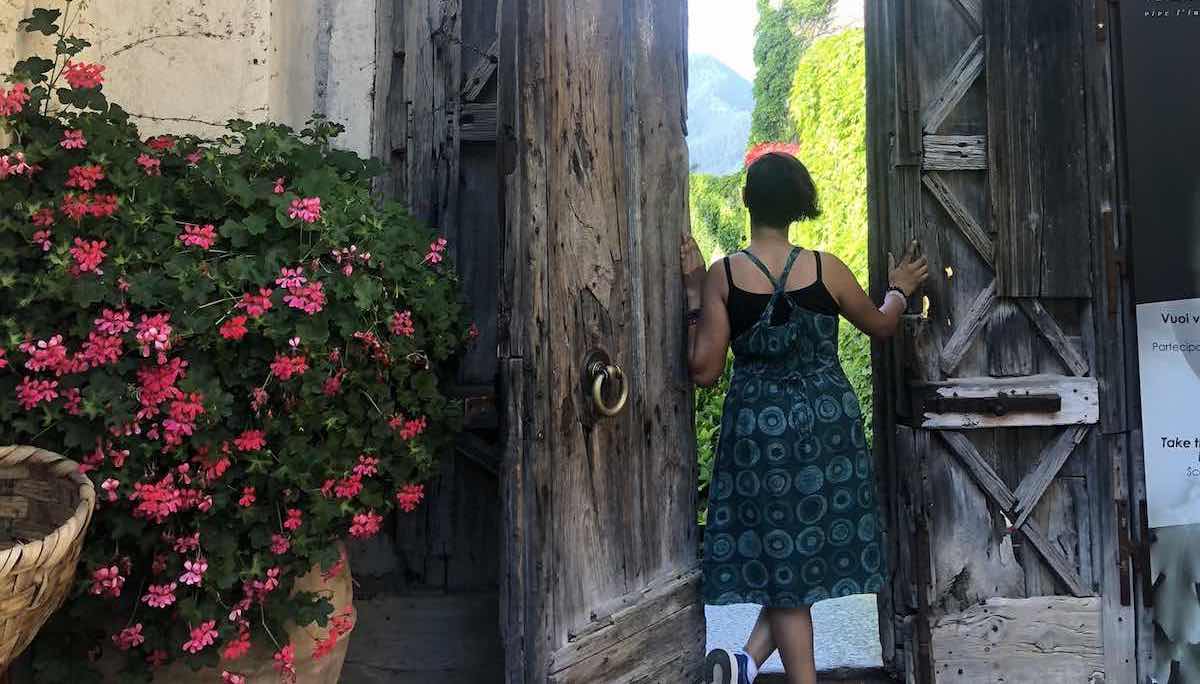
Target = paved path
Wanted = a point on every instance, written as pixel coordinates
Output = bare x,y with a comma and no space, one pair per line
846,632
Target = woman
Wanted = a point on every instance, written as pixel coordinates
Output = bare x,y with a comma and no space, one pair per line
792,516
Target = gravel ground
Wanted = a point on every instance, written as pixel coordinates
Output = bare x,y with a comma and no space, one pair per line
846,632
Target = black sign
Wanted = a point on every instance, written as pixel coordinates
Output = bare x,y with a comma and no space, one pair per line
1160,41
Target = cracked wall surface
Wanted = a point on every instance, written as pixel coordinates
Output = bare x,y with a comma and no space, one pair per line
188,66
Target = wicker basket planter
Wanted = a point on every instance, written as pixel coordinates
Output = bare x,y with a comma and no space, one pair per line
45,507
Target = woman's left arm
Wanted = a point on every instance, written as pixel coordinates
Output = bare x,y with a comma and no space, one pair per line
708,320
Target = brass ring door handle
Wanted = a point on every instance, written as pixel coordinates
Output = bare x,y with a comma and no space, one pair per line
599,371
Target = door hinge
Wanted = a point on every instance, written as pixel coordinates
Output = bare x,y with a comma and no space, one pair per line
1145,539
1133,557
1102,15
1124,552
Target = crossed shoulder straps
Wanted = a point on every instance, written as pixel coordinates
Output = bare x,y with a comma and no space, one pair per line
781,284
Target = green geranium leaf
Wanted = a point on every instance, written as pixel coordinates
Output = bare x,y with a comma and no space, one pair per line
42,21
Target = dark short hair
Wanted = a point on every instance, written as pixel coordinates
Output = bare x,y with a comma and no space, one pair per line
779,191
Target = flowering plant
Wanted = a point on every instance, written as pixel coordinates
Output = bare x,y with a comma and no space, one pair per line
758,151
239,344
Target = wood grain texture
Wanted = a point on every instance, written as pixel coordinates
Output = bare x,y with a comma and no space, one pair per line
1030,491
954,153
595,196
968,329
962,217
1042,639
1080,401
1040,188
1067,350
954,86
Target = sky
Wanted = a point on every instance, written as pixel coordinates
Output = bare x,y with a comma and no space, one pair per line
725,30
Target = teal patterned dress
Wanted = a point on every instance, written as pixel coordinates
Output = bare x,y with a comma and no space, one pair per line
792,514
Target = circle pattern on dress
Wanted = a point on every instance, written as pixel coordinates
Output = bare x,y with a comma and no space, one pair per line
721,547
747,483
839,470
842,500
778,544
777,482
746,453
809,480
749,545
772,421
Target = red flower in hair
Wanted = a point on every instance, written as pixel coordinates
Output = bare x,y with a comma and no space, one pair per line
767,148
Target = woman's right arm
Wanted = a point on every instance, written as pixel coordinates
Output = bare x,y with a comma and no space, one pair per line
880,322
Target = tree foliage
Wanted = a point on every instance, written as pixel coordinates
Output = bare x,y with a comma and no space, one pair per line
785,29
828,108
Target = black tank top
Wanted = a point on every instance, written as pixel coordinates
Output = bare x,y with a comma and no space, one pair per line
745,308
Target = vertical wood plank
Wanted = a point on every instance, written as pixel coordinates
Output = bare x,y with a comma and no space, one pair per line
1039,174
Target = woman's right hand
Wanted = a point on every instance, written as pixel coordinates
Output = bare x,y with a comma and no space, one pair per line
911,273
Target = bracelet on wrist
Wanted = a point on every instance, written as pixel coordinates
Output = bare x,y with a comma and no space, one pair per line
693,317
897,292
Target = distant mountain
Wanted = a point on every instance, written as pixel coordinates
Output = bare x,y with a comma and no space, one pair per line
720,103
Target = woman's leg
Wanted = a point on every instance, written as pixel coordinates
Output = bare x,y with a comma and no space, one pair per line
792,631
761,644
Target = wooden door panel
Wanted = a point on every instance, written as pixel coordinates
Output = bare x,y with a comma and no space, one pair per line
1003,494
602,544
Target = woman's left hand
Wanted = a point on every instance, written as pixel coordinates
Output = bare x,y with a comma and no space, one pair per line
692,265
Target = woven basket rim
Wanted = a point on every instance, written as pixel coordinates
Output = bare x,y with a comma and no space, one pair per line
22,556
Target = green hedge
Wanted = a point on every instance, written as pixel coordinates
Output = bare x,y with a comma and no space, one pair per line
827,109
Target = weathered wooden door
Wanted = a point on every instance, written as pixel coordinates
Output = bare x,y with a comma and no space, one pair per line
1002,408
600,575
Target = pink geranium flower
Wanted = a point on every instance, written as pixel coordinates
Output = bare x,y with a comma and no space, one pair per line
365,524
291,277
33,392
279,186
110,487
307,209
43,218
256,304
73,140
437,250
202,637
84,177
280,544
410,496
248,497
234,328
88,254
151,165
12,101
83,75
113,322
228,677
285,662
250,440
130,637
107,581
193,572
198,236
402,324
160,595
154,332
287,367
309,298
295,518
